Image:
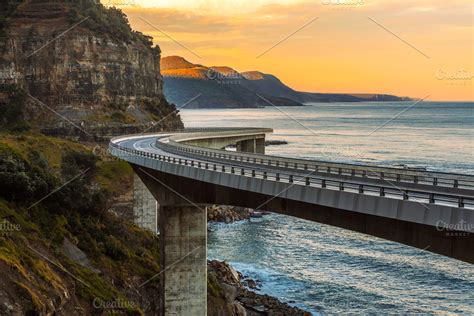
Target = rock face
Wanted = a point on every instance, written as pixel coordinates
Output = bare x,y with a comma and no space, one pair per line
228,295
82,63
74,253
227,214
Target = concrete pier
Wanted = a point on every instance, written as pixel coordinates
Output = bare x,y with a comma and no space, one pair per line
183,260
254,146
246,146
245,141
145,206
260,146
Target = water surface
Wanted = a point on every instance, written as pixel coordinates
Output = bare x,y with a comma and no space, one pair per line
328,270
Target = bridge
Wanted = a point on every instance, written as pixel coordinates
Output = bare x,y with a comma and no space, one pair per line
185,170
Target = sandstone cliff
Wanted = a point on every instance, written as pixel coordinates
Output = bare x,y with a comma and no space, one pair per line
81,63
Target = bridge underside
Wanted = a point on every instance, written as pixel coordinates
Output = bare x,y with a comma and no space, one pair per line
456,245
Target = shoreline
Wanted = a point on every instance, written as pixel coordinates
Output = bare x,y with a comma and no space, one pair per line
230,290
238,290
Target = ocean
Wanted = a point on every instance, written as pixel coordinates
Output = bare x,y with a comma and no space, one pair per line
327,270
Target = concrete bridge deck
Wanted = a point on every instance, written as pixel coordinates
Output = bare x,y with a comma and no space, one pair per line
429,210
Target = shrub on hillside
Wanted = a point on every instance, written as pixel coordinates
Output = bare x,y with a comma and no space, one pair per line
19,181
12,107
111,21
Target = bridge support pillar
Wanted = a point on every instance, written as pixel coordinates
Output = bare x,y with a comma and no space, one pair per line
260,146
183,260
246,146
145,206
255,146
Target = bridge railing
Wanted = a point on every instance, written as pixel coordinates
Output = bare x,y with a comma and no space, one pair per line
339,169
456,200
343,170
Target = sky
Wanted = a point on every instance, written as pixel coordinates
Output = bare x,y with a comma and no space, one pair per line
416,48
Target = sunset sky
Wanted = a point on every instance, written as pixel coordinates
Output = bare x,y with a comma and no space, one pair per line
406,48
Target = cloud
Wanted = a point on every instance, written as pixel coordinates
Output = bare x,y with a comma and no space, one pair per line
339,46
174,20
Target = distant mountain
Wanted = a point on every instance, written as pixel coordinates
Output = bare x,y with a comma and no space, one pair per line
271,85
224,87
175,62
217,87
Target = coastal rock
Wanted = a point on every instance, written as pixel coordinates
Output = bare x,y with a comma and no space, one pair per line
227,214
239,309
225,273
251,284
242,300
230,292
275,142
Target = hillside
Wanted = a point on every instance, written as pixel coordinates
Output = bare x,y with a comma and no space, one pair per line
216,86
79,63
271,85
223,86
71,252
62,254
68,244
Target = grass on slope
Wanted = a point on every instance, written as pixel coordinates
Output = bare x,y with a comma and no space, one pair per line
121,255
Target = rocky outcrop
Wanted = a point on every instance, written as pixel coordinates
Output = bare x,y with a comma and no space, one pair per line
228,294
227,214
82,66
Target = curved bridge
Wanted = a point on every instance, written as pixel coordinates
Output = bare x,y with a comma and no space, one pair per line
430,210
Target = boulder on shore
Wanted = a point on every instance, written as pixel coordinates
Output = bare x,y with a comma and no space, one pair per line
227,214
230,286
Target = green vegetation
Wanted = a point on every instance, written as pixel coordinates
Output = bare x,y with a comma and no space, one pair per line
33,166
19,180
214,289
12,110
159,109
111,21
118,117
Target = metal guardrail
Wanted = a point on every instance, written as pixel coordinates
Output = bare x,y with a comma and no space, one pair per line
352,170
462,201
440,179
